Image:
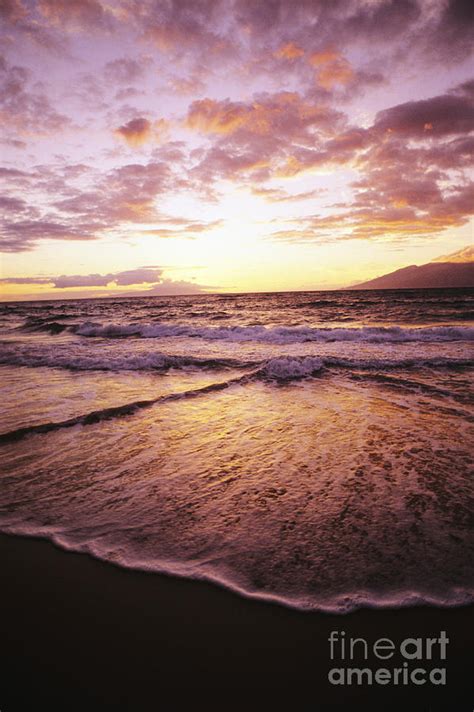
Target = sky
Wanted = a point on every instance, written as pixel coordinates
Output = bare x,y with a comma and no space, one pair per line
186,146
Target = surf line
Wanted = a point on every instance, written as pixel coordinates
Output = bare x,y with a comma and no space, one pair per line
98,416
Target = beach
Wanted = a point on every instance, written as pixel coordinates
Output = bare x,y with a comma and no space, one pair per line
78,633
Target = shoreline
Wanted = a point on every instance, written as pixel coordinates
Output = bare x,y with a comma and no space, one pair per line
79,633
354,601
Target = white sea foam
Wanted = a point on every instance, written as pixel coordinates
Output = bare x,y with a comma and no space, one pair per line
281,334
286,368
336,603
50,356
71,356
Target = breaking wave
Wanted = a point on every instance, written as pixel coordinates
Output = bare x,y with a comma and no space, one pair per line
279,370
25,355
97,416
275,335
282,366
280,334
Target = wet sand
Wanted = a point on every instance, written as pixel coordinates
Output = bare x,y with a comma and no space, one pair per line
78,633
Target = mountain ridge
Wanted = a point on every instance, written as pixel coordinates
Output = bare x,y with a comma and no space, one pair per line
435,274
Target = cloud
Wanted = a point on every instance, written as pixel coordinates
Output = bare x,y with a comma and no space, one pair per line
237,31
87,280
414,178
170,287
332,69
317,24
123,194
278,195
138,131
13,10
438,116
18,18
211,116
126,278
465,254
138,276
291,73
73,202
185,85
125,70
15,204
283,114
13,143
289,51
393,33
189,228
270,135
75,15
178,25
14,174
465,88
376,219
153,277
454,31
25,280
24,109
135,132
22,235
128,93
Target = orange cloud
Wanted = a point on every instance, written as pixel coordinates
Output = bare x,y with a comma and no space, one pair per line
362,225
284,112
400,203
164,37
226,117
212,116
466,254
289,51
333,69
320,58
135,132
138,131
278,195
136,209
290,168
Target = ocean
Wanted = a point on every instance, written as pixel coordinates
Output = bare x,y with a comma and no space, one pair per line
310,448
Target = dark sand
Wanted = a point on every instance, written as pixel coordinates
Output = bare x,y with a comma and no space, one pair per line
77,633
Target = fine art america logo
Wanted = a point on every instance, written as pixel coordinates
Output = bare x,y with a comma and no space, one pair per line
418,656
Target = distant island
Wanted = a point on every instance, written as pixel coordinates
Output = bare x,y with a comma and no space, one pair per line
455,270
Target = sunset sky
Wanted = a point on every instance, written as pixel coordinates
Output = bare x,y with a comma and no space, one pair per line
178,146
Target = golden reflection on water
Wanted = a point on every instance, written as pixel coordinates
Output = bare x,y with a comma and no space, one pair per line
323,486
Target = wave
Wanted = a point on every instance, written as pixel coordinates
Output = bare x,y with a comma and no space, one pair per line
279,370
18,355
275,369
50,327
283,366
407,385
98,416
287,368
280,334
340,603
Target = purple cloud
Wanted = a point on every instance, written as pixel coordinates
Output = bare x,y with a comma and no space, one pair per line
153,277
